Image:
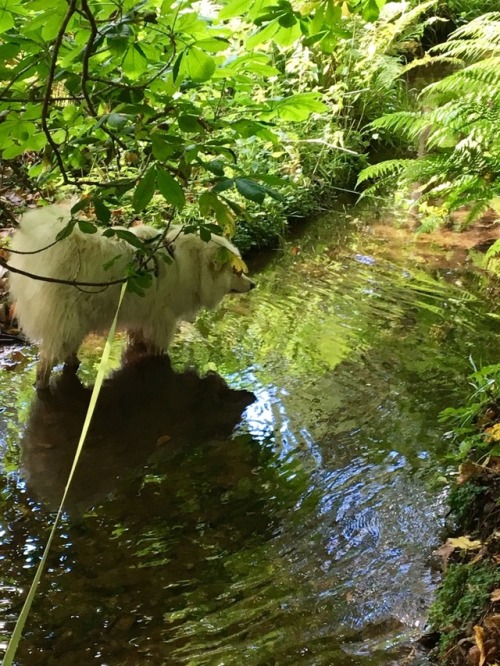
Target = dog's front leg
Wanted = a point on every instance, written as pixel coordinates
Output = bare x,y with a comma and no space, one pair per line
43,373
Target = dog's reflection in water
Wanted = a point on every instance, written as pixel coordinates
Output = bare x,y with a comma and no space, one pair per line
145,408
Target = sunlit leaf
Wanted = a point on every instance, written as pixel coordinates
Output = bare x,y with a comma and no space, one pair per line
134,63
235,8
199,65
464,543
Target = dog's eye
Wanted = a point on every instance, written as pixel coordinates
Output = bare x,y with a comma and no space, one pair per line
237,271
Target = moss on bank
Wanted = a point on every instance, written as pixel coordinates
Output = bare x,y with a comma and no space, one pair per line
466,611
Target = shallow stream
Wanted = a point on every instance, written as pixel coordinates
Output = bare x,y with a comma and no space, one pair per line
288,517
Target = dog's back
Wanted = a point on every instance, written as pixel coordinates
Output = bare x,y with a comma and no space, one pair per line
58,316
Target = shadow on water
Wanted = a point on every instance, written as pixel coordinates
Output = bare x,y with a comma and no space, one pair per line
144,409
285,517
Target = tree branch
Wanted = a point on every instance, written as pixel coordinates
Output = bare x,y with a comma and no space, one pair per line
71,283
48,89
94,31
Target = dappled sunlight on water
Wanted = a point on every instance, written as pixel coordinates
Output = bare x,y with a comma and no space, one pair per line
287,516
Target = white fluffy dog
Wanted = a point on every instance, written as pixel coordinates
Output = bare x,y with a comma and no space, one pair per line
59,316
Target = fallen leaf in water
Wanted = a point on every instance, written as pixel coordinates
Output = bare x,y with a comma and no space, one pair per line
479,637
464,543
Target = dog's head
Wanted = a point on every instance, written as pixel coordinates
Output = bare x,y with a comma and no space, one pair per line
224,272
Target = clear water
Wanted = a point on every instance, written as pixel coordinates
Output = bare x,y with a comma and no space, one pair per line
286,518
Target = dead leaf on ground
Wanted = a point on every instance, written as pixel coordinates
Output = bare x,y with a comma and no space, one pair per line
493,433
494,462
163,440
468,470
495,595
479,638
464,543
492,622
444,553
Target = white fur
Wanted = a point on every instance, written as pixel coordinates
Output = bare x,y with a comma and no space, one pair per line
59,316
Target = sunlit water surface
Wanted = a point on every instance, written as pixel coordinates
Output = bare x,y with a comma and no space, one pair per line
207,525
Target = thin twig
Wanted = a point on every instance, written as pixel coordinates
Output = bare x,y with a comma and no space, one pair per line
94,31
48,89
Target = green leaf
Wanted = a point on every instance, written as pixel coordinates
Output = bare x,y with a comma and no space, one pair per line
370,10
296,107
263,35
12,152
170,188
134,64
52,22
144,190
83,204
189,123
36,142
213,44
161,149
199,65
287,20
101,210
235,8
250,189
215,166
6,20
177,65
209,202
117,120
87,227
223,184
129,237
66,231
287,36
205,234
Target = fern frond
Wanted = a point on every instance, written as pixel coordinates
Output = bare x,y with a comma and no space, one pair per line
430,61
476,40
480,74
385,169
406,123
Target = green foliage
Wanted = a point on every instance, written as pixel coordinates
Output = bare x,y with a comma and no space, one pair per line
457,129
158,107
485,396
133,100
463,502
461,11
463,595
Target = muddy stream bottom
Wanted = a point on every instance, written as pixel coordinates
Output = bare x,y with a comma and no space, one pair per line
272,494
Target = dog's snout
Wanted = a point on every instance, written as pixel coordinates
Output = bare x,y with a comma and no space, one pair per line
252,285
